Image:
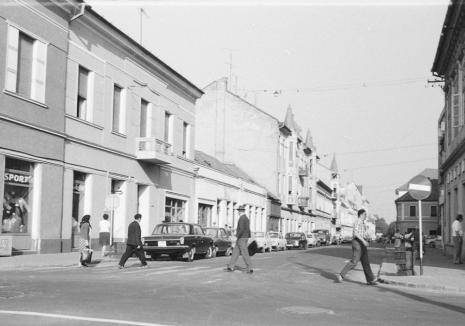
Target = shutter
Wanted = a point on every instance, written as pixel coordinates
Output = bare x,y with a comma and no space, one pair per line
12,59
39,71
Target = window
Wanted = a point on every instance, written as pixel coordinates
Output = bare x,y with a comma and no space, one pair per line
434,211
17,196
82,96
26,57
118,113
168,127
290,185
291,153
175,209
205,215
144,118
185,139
413,211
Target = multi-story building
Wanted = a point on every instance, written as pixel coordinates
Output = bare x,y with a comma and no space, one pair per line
449,64
220,188
235,131
325,206
129,121
272,152
33,52
408,210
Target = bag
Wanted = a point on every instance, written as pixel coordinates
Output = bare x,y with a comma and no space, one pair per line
252,248
86,256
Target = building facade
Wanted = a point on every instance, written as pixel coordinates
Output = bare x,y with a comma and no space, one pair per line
130,123
449,64
33,52
220,188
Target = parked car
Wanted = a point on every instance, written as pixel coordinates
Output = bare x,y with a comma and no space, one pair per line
221,241
177,240
324,236
312,240
263,242
296,240
277,240
336,239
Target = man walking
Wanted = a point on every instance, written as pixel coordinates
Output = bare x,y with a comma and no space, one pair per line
359,251
243,235
134,243
457,236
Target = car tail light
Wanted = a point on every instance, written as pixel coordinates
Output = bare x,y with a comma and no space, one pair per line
181,241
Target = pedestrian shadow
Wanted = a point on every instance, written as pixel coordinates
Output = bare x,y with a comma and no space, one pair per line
313,269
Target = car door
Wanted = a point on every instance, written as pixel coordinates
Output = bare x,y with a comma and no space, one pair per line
201,239
223,240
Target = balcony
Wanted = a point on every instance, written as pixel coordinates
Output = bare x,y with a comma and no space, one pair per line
153,150
303,201
303,172
291,200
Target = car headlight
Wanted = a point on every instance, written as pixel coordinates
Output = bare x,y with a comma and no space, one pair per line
181,240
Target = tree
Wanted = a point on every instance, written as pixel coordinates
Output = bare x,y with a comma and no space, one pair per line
391,229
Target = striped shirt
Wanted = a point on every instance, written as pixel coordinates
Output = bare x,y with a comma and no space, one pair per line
360,228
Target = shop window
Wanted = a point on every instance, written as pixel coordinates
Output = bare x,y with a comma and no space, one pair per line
17,196
79,181
175,209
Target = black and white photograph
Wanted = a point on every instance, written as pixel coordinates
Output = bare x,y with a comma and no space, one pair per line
232,162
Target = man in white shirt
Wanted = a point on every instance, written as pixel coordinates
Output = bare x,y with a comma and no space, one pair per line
457,236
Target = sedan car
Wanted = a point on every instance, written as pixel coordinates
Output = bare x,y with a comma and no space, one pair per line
263,242
296,240
312,240
277,240
221,241
179,240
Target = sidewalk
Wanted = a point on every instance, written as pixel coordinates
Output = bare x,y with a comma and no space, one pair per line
69,259
439,273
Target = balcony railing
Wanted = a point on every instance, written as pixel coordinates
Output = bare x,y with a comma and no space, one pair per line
303,201
153,150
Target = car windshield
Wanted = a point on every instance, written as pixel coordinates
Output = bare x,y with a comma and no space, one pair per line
171,229
309,235
259,234
294,235
273,235
210,232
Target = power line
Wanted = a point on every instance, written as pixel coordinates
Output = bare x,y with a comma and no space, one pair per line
386,149
390,164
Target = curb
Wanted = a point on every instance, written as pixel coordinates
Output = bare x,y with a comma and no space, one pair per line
424,286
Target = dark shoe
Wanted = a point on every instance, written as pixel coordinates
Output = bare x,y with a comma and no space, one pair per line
339,278
228,269
250,271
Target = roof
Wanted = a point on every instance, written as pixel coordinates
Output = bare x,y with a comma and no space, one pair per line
230,169
140,47
432,198
431,174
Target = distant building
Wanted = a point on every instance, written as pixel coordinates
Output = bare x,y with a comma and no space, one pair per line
449,64
408,210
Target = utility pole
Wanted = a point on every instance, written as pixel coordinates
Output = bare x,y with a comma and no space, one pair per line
230,68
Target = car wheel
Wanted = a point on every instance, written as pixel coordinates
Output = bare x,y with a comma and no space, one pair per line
228,251
154,256
262,250
191,254
209,253
215,252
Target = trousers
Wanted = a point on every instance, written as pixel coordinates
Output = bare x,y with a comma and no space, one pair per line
240,249
458,242
130,249
359,253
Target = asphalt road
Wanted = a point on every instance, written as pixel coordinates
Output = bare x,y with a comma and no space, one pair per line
288,288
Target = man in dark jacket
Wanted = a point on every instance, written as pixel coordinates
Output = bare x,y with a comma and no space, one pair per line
134,243
243,235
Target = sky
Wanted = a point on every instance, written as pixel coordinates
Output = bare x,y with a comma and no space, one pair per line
354,72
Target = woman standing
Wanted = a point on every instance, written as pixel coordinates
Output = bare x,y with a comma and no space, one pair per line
84,239
104,234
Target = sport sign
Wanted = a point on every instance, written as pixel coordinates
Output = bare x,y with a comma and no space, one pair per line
419,187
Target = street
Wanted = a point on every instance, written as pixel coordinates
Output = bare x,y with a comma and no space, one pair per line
294,287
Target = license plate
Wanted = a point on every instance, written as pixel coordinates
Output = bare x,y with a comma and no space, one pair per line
162,243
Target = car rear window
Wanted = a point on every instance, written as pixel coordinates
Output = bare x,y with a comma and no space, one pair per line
295,235
259,234
273,235
210,232
171,229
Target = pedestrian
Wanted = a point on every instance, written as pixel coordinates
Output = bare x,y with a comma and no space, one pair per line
134,243
84,240
104,234
359,251
241,247
457,236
